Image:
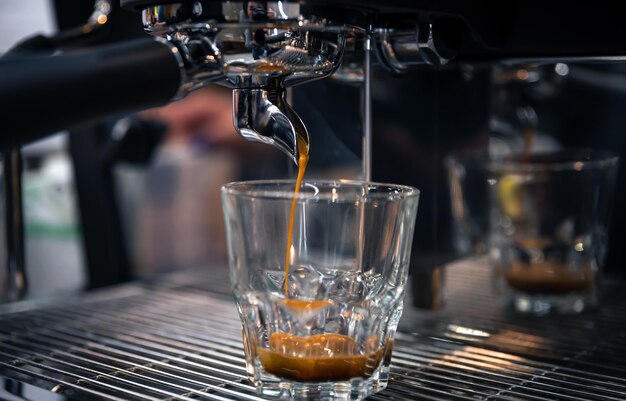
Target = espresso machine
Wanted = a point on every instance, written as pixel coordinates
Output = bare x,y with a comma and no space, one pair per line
265,51
419,76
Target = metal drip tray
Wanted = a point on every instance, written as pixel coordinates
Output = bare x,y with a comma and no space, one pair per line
180,339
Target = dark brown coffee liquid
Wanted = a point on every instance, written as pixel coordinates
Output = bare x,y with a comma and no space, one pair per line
549,277
323,357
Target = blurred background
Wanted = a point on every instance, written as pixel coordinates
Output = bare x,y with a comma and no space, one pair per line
138,195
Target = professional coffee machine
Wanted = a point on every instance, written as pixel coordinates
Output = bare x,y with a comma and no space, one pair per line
263,49
277,45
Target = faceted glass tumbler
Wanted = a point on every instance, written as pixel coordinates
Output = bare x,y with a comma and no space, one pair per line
325,330
549,217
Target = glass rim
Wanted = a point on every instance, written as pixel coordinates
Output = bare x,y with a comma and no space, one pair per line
242,189
567,159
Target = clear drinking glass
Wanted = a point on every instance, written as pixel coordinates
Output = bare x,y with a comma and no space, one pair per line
550,215
326,330
542,218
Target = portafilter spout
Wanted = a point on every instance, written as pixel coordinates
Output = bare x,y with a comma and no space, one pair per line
263,115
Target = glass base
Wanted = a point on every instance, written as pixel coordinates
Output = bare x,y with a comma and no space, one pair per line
355,389
542,304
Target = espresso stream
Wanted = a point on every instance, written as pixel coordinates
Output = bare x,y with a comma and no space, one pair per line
303,160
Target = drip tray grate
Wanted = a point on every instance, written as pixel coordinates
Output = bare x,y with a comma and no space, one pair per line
180,339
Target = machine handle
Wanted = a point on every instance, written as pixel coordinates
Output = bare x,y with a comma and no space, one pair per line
40,95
